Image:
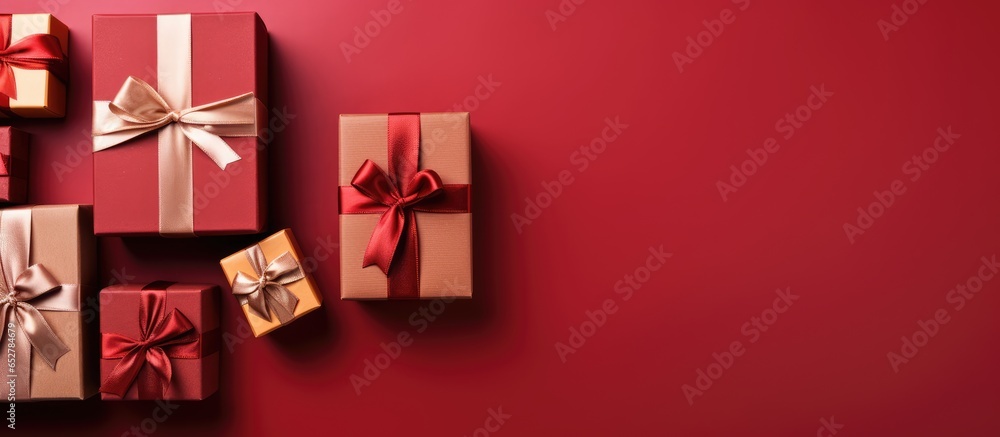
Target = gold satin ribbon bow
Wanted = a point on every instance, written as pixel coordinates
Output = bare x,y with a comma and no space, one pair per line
267,290
30,284
138,109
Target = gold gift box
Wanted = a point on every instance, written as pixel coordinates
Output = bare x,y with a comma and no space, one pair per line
305,289
40,93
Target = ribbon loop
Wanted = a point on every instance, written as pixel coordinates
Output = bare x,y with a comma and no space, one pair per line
267,292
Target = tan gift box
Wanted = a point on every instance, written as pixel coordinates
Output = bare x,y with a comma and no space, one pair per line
62,242
41,93
443,234
304,289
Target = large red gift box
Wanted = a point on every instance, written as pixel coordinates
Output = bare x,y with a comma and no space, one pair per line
157,329
171,179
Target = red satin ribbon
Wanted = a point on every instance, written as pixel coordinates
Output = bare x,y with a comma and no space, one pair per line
398,195
33,52
146,360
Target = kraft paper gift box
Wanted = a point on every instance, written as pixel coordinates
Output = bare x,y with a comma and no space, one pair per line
33,66
405,207
47,255
179,107
271,283
159,341
13,165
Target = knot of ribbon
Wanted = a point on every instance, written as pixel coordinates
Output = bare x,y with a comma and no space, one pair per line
147,359
33,52
267,292
138,108
29,285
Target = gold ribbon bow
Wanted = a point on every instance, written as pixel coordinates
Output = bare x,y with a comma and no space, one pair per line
138,109
30,284
267,290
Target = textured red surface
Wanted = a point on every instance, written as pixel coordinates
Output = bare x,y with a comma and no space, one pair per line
655,184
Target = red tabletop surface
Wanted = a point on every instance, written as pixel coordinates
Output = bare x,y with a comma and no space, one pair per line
687,257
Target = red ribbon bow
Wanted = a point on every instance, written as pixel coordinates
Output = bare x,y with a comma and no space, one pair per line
147,359
398,195
376,185
33,52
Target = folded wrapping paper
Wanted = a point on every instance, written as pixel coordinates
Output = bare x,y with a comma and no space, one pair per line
159,341
405,208
47,255
271,283
196,83
13,165
33,66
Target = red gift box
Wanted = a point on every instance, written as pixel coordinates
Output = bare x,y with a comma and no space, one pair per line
173,178
159,329
13,165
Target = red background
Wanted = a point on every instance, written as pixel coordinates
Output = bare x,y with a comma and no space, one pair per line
656,184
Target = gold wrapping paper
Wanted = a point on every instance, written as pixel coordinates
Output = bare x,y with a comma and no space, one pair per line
304,289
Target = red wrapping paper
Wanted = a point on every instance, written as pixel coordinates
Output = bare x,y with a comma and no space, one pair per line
193,379
229,58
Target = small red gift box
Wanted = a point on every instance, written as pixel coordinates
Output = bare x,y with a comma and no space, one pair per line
178,107
159,341
13,165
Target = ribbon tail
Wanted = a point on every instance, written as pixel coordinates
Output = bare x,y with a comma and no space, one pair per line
154,380
282,302
385,239
124,373
41,336
258,304
7,85
213,145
